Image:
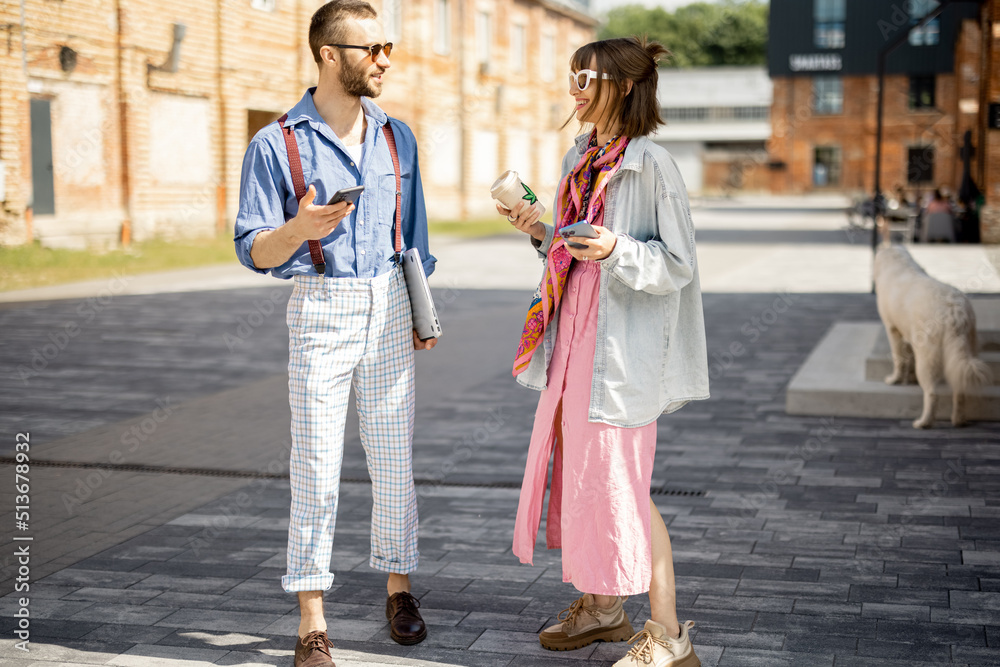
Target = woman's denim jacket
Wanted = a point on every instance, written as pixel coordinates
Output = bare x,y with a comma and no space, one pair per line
651,355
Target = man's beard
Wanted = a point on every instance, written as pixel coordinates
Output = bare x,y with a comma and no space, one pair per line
357,81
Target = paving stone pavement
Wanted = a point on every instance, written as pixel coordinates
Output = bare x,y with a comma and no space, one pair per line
797,540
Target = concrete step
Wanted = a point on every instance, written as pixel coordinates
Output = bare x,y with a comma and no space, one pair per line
878,365
832,383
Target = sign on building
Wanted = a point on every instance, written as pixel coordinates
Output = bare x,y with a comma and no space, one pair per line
815,62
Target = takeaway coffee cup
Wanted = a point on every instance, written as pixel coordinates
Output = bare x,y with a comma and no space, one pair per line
509,190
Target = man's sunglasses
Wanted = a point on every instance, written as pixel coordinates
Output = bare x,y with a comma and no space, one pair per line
583,78
374,49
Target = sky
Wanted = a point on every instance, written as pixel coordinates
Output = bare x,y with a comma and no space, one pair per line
600,6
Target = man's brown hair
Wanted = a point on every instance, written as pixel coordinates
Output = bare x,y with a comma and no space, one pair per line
626,58
328,24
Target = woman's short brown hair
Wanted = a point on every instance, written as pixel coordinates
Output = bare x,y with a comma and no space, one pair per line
632,59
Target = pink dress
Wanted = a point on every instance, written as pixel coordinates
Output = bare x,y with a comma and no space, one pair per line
599,499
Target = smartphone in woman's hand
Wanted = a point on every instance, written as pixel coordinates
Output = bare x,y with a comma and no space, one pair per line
582,229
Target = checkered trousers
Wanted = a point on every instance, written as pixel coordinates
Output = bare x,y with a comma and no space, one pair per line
344,331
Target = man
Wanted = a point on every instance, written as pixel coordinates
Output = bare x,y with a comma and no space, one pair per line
351,325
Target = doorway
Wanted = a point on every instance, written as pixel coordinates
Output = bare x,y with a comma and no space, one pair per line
42,182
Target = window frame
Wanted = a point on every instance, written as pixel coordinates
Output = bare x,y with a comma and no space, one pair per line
930,34
442,27
916,90
819,97
928,170
829,27
835,168
547,58
518,51
392,12
484,37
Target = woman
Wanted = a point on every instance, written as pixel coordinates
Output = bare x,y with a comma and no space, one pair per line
939,203
614,338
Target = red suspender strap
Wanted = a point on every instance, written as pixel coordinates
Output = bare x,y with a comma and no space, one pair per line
299,183
390,139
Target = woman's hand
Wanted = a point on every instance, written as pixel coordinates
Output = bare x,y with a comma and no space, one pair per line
598,248
524,217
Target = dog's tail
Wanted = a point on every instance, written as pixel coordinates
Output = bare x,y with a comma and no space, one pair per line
962,368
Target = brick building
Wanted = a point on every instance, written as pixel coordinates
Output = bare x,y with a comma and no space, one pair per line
823,56
129,118
988,123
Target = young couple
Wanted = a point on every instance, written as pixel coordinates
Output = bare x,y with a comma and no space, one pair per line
614,337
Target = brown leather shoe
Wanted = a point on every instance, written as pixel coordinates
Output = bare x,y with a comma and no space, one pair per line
405,624
313,650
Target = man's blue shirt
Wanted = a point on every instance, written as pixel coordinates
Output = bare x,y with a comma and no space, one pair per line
361,246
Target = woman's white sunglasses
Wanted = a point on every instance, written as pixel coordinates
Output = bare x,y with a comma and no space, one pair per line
583,78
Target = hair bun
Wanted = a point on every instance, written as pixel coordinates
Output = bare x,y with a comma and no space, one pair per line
656,51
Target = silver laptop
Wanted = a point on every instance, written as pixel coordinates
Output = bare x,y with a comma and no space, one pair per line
425,318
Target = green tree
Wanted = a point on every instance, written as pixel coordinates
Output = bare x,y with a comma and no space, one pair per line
699,34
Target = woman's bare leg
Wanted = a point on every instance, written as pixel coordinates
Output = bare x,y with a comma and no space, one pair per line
605,601
662,594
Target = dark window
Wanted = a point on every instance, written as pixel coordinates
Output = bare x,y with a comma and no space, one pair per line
828,95
920,164
714,114
828,22
922,92
930,34
826,166
751,113
685,114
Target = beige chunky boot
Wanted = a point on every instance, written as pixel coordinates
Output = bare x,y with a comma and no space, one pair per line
584,623
654,648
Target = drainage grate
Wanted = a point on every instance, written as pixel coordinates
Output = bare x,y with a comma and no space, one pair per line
688,493
210,472
249,474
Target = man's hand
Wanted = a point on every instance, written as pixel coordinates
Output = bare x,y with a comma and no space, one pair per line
273,247
598,248
423,344
315,221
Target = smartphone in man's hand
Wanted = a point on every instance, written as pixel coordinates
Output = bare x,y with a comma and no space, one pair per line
350,195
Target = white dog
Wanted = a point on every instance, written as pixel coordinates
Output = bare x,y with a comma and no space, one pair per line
930,323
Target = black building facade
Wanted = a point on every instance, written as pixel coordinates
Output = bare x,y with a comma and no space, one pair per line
845,36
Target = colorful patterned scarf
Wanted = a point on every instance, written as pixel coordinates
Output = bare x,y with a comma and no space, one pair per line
575,204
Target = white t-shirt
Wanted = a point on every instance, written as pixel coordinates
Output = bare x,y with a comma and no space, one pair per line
356,152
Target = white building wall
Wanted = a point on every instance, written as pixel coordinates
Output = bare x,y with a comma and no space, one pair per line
689,156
